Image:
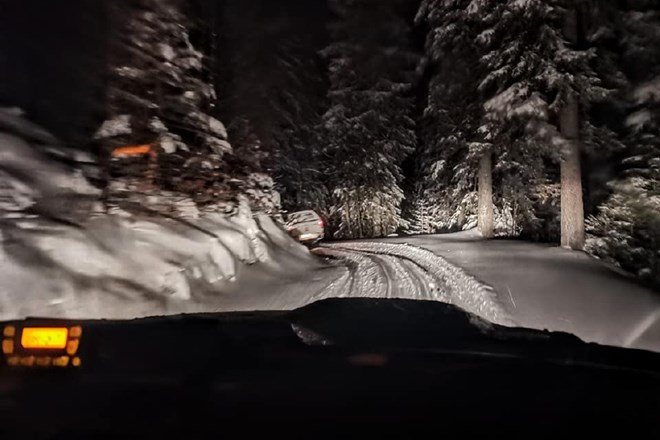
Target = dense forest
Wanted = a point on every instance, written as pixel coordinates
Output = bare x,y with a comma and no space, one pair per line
537,119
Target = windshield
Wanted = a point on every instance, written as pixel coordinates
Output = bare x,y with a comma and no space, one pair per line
500,156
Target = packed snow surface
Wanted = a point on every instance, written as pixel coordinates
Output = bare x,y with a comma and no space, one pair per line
543,286
404,271
64,254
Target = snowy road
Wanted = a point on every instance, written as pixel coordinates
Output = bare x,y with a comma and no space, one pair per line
546,287
505,281
400,271
371,270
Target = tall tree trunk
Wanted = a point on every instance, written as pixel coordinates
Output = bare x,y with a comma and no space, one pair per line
485,216
572,207
110,55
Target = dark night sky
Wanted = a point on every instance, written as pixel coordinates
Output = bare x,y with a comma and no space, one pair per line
253,35
52,54
51,60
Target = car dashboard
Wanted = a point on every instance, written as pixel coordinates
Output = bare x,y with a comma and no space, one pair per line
335,368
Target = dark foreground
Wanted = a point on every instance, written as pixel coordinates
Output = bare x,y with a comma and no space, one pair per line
335,369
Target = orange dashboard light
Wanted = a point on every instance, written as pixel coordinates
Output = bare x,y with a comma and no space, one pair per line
13,361
9,331
76,361
43,361
44,337
72,346
75,332
27,361
61,361
8,346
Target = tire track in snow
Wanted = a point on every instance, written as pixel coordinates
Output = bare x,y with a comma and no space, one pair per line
432,286
428,286
399,278
423,279
386,274
396,272
366,276
394,281
437,279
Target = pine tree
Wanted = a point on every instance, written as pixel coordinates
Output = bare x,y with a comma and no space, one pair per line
534,77
297,159
282,99
626,230
451,142
157,95
642,21
299,162
368,125
420,215
532,84
249,165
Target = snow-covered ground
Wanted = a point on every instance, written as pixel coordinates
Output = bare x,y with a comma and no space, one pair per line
63,255
129,265
403,271
546,287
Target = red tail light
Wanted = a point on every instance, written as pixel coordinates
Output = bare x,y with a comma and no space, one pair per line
321,224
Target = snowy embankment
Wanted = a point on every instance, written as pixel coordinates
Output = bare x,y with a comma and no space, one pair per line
135,265
62,256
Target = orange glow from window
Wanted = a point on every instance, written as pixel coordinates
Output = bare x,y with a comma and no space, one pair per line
134,150
44,337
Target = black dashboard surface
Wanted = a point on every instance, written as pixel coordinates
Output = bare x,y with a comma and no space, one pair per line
337,368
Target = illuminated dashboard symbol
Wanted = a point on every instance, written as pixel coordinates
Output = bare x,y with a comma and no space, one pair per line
43,361
41,346
7,346
61,361
75,332
44,337
72,346
27,361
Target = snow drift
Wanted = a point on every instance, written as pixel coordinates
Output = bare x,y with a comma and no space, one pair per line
130,265
61,255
